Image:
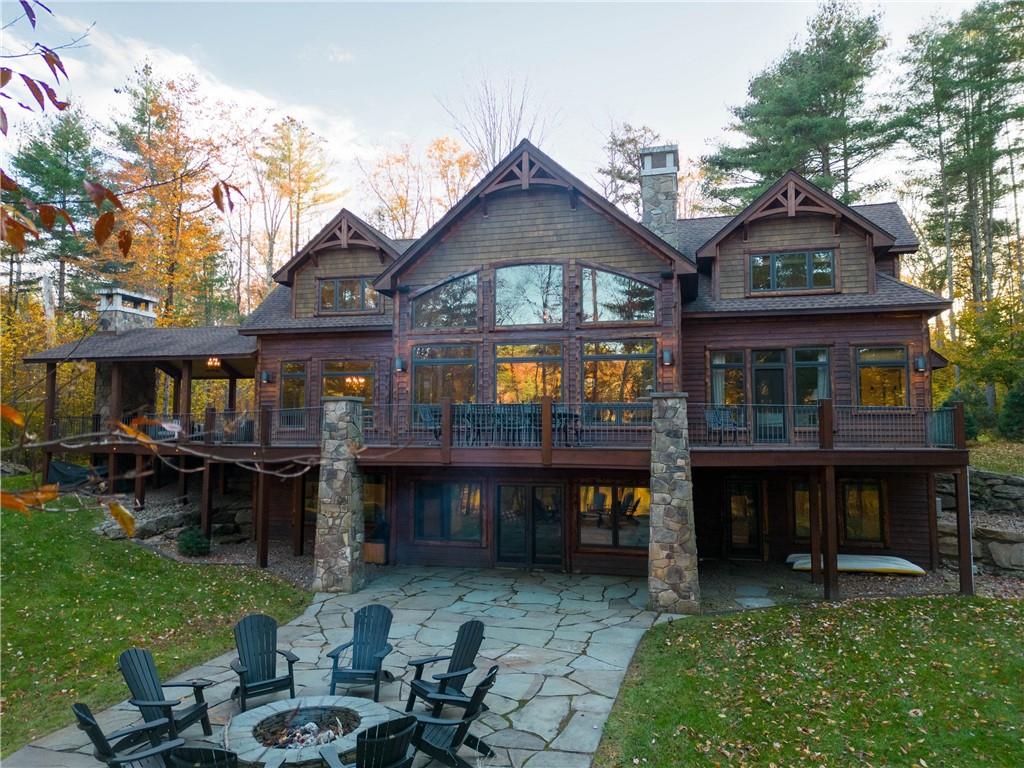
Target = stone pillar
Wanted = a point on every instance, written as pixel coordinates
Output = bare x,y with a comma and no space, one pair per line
672,558
338,558
659,190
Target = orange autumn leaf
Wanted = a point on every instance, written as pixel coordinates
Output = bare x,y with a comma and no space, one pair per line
14,502
135,434
40,496
13,415
122,517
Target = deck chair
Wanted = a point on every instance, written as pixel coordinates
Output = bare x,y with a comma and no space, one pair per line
125,753
460,664
139,671
204,757
630,504
596,510
369,646
440,738
256,665
382,746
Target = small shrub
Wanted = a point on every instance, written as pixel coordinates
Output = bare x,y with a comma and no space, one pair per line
192,542
1011,420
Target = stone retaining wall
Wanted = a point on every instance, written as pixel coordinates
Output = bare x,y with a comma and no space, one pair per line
990,492
996,548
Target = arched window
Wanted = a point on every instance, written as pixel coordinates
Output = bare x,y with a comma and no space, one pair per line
528,294
450,305
608,297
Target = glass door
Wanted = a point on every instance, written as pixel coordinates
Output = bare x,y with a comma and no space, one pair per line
529,525
770,396
744,518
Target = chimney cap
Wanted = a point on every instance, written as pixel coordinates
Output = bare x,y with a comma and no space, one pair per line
112,290
660,159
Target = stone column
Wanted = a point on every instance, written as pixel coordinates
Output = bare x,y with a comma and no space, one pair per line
672,559
338,558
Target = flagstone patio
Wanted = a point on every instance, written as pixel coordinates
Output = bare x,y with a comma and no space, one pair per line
562,643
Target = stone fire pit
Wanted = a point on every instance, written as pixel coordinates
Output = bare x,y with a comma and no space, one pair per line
246,733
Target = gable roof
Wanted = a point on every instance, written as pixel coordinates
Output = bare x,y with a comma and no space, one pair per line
523,167
343,231
790,195
274,315
152,344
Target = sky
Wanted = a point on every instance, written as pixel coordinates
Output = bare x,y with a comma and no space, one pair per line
369,76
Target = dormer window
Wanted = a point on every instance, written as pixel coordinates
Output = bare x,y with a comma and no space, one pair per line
450,305
608,297
792,271
528,294
348,294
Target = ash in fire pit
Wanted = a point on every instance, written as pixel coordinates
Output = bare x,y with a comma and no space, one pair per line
305,727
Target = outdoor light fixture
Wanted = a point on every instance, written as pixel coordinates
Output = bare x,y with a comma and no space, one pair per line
264,377
920,364
399,364
666,357
213,362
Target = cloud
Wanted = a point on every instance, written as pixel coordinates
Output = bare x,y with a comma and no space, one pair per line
337,55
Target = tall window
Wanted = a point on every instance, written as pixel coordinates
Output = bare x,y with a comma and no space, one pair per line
348,294
810,383
609,297
616,516
801,510
293,385
347,378
618,371
452,305
792,271
882,376
447,511
444,370
728,378
862,511
528,294
527,372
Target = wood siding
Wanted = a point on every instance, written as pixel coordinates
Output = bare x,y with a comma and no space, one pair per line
351,262
793,234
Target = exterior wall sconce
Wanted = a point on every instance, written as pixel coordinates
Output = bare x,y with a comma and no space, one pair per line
666,357
400,364
213,362
265,377
920,364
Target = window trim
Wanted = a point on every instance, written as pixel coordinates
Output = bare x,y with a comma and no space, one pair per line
305,385
883,512
370,370
653,284
421,292
480,543
748,278
894,363
608,549
743,367
566,305
474,361
796,365
364,282
560,359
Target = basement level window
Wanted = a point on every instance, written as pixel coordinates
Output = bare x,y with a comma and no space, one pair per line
792,271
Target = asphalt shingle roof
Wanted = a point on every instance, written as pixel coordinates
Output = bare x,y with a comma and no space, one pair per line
889,293
275,314
153,344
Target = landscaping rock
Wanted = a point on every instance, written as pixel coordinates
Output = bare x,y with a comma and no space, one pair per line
10,468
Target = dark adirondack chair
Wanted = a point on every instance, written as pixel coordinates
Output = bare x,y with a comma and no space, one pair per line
441,738
125,752
460,664
203,757
382,746
256,665
136,664
369,646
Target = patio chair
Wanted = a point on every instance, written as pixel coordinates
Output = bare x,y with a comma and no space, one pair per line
124,753
450,682
369,646
139,671
382,746
630,504
440,738
596,510
203,757
256,665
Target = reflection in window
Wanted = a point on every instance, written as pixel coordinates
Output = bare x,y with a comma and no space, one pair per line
375,521
348,294
798,270
614,516
293,385
452,305
801,511
527,372
862,510
728,378
882,376
528,294
618,371
609,297
811,383
447,511
347,378
444,370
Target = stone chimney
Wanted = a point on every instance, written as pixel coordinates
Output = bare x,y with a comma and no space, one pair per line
659,188
123,310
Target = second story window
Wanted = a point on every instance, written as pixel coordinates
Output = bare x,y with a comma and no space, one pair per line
618,371
347,378
792,271
882,376
607,297
293,385
527,372
450,305
528,294
728,378
348,294
444,370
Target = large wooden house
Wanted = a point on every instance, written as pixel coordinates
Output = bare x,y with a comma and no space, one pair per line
509,366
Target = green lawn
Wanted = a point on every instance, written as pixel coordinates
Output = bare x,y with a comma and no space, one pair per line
920,682
72,601
998,455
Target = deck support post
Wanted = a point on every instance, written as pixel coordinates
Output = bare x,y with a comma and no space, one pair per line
965,545
49,416
260,515
814,502
545,430
182,464
232,394
114,416
338,558
933,523
206,499
446,430
185,397
298,516
672,553
140,481
831,533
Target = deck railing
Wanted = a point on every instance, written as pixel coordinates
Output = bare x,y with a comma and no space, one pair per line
753,425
